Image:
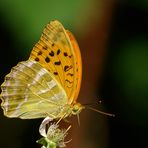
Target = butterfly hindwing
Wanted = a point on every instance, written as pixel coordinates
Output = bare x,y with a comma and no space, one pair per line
30,91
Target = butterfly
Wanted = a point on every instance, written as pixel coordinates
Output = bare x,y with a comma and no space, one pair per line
48,83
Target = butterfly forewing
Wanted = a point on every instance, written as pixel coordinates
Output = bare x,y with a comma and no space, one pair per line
30,91
56,53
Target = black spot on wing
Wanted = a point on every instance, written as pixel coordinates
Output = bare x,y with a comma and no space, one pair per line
65,54
70,56
40,53
68,81
37,59
51,53
47,59
57,63
58,51
45,47
55,73
70,74
66,68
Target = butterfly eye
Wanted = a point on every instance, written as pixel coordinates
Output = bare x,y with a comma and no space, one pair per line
77,108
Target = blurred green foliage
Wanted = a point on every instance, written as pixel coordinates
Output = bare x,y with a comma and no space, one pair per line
138,3
26,18
131,68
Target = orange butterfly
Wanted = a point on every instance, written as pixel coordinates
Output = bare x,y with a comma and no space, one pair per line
48,83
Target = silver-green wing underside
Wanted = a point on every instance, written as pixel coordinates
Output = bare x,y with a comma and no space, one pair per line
30,91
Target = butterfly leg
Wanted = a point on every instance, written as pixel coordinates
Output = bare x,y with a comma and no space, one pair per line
66,120
62,117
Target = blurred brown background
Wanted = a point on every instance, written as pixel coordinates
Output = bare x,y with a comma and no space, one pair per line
113,38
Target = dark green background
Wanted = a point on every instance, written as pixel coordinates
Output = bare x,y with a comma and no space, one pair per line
124,84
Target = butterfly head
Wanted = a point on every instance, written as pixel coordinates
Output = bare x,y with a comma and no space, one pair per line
77,108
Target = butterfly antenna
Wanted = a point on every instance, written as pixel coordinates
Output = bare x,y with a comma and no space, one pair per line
92,103
101,112
78,117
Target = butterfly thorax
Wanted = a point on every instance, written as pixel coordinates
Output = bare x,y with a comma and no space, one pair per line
69,110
